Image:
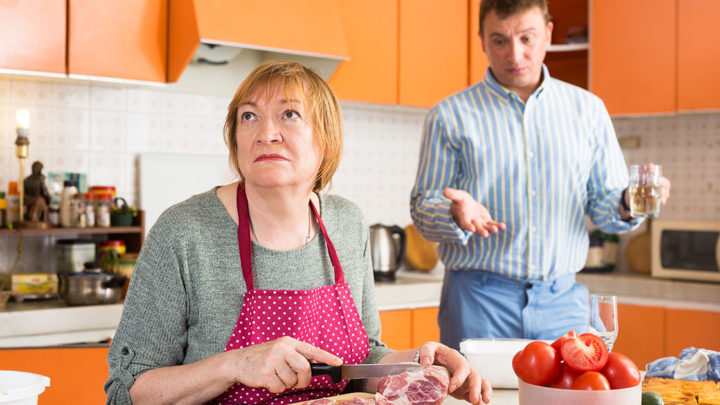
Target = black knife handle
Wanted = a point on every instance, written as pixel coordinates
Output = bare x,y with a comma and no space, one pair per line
326,369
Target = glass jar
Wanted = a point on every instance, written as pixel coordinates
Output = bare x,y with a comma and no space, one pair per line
78,211
90,209
103,204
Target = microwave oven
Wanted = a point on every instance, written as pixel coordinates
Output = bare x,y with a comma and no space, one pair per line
685,250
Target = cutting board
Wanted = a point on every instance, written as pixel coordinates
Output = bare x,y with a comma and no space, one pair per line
346,397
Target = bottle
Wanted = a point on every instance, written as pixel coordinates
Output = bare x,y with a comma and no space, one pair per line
3,209
90,209
66,214
54,215
103,204
13,204
77,210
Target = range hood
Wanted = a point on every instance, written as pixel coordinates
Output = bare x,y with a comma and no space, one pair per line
214,44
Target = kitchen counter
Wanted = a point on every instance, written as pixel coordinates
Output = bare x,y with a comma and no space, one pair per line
50,323
500,397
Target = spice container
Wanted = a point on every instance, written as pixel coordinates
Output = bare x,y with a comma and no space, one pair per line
78,211
90,209
66,213
3,209
97,190
103,204
13,205
117,245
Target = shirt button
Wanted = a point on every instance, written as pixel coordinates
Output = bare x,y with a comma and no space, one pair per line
532,228
531,155
532,192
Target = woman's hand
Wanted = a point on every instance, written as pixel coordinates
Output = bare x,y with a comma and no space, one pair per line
279,364
465,383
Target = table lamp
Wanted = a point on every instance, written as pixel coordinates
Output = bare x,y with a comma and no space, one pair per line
21,151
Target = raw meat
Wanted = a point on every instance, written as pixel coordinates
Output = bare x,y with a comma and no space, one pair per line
425,387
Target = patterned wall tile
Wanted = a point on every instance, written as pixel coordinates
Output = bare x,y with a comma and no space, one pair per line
108,98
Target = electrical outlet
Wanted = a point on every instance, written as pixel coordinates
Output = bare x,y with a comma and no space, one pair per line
629,142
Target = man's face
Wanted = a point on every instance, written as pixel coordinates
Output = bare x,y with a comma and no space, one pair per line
515,47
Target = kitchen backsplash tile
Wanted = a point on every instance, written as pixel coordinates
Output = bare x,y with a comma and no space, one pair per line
100,129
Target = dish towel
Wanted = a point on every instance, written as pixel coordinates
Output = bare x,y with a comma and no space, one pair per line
693,364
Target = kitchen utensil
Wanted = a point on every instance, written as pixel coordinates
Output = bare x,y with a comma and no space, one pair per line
529,394
603,318
355,371
492,359
91,287
419,252
387,247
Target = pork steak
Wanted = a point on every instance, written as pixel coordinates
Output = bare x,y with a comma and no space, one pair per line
424,387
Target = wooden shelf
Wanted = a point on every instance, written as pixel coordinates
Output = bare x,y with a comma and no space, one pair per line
568,47
72,231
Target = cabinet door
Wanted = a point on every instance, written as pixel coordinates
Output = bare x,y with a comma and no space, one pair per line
433,50
478,60
698,54
632,55
641,333
424,326
371,35
687,328
397,329
77,375
124,39
33,33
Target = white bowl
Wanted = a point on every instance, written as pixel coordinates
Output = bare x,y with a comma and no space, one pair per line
21,388
529,394
492,359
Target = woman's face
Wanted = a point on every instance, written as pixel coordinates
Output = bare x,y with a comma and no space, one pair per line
276,143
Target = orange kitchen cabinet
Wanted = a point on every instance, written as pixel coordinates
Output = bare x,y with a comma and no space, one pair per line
125,39
641,333
424,326
478,60
632,55
685,328
77,375
433,50
698,54
371,33
33,33
397,329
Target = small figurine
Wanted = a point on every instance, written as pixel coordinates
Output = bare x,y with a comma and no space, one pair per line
37,196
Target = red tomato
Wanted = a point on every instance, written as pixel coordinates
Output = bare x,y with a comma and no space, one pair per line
538,363
586,352
620,371
558,343
566,379
591,380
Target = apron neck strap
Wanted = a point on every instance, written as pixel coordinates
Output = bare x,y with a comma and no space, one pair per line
245,246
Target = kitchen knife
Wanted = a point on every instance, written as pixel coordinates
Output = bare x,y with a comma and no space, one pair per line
354,371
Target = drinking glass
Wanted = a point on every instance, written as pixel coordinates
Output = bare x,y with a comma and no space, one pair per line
645,190
603,318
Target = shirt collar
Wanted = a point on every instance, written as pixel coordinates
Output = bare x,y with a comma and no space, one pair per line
505,93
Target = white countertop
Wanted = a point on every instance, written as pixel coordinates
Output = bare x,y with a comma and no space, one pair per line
50,323
500,397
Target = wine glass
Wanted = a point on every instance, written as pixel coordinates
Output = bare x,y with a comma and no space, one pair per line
603,318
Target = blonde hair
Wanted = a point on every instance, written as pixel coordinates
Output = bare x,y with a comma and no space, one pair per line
322,111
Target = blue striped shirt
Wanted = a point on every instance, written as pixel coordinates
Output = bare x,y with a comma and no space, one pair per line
539,167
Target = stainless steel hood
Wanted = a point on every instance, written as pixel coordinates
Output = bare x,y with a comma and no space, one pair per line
214,44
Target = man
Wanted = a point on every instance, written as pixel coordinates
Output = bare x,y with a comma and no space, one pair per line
509,167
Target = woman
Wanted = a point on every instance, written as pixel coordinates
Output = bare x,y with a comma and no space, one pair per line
202,322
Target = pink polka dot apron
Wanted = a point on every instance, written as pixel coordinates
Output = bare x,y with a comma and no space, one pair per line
325,317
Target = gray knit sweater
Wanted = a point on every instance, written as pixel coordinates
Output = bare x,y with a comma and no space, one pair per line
186,290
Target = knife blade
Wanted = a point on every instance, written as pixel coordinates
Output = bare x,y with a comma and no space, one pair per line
355,371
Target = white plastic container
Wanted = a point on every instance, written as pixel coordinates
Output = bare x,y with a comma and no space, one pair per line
72,255
529,394
21,388
492,359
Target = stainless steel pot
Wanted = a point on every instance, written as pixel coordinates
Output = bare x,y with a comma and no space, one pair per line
86,288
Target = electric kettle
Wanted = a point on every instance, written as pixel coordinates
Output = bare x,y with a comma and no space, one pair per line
387,248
